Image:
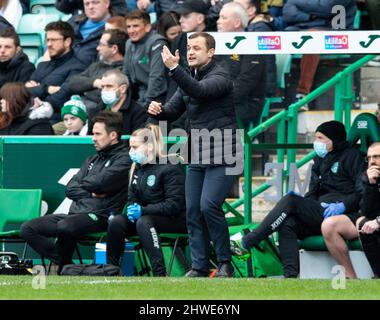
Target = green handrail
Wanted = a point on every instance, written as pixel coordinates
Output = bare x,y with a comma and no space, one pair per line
287,122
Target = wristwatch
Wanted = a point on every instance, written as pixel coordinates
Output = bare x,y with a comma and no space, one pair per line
378,220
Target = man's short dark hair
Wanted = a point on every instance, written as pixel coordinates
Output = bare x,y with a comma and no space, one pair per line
63,28
117,38
138,15
113,121
11,34
210,41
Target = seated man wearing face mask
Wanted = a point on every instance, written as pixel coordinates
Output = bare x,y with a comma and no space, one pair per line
330,206
115,94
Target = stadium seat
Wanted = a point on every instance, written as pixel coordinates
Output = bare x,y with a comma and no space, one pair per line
16,207
33,55
31,30
365,128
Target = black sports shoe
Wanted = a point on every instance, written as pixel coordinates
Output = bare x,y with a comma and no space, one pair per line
193,273
225,270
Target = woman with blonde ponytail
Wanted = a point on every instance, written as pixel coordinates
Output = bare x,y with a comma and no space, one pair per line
156,200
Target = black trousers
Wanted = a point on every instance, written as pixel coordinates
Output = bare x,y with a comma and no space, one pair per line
294,218
54,236
371,247
206,190
148,228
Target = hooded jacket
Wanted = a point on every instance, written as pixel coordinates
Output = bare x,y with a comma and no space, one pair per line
31,122
106,172
337,177
18,69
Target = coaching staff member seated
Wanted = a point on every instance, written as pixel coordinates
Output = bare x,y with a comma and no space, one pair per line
100,187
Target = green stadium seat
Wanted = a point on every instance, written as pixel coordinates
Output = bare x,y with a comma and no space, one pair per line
365,128
317,243
31,30
33,55
16,207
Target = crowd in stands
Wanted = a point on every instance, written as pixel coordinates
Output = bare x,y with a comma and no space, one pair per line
110,70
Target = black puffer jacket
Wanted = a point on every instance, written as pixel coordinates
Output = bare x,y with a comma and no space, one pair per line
370,203
103,173
119,7
337,177
301,14
159,189
208,99
17,69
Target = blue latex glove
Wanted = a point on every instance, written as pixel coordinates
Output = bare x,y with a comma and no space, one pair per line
293,193
333,209
134,212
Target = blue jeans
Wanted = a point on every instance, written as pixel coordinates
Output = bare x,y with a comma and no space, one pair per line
206,190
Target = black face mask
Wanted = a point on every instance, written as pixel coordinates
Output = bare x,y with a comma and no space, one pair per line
5,64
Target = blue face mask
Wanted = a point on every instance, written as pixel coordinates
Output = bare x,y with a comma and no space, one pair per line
109,97
138,157
320,148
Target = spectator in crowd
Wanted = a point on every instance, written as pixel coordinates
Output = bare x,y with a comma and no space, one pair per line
311,15
331,204
247,71
142,61
75,7
74,117
89,27
156,200
192,19
116,22
100,187
49,81
274,8
259,22
11,10
207,95
159,6
117,98
111,49
18,117
14,63
369,225
168,26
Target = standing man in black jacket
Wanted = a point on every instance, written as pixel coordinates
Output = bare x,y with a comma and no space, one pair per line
49,81
14,63
331,204
98,189
207,95
369,225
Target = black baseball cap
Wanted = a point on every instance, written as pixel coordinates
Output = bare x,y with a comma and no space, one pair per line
190,6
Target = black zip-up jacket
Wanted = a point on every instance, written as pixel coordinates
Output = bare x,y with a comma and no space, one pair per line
106,172
17,69
55,72
159,189
370,203
207,96
337,177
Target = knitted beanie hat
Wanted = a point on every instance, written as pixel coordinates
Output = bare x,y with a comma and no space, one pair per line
334,130
75,107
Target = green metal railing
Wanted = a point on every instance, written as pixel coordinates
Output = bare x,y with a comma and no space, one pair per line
287,123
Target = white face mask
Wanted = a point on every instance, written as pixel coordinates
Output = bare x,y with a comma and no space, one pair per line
320,148
109,97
